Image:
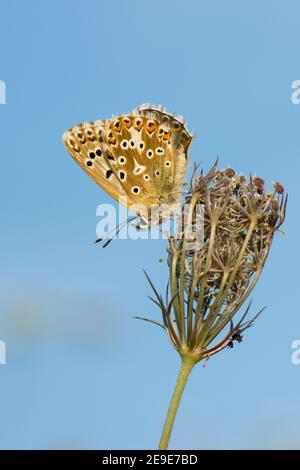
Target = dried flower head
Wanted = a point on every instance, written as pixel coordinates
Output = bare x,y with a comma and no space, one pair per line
209,282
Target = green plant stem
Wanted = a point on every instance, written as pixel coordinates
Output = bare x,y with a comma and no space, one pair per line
187,364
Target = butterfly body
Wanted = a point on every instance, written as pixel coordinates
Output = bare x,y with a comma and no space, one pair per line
139,158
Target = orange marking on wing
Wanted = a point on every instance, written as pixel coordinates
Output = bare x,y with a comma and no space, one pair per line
127,122
116,126
151,127
138,124
111,139
167,135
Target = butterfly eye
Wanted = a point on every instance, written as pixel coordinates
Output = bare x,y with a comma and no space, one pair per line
160,151
122,175
149,153
135,190
167,164
124,144
122,160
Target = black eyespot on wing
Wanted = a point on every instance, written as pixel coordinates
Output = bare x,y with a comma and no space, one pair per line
122,160
89,163
92,155
99,152
149,153
108,174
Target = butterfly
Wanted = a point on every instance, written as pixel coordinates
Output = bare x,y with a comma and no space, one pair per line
138,158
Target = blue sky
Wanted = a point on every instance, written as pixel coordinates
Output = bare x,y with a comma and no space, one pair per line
80,372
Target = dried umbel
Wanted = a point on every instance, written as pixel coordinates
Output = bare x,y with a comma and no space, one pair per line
210,281
212,276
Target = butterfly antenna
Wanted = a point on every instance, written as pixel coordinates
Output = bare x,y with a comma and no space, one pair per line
114,232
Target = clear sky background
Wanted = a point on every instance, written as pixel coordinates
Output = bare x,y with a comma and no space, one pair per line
81,372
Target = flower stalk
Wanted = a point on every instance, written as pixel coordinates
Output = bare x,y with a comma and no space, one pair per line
187,364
